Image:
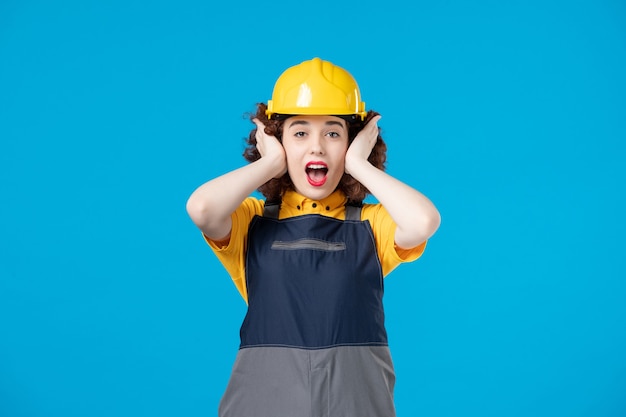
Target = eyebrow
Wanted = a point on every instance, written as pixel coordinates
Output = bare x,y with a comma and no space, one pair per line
304,122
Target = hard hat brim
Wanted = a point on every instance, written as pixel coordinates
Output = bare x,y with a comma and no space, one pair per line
346,117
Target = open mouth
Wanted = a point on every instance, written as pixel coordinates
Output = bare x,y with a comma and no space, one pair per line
316,173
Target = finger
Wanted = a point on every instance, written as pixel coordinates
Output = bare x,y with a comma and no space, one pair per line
374,120
259,124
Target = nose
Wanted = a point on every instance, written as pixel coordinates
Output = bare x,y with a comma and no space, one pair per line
317,145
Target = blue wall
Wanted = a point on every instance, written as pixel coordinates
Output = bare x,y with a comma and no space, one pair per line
510,116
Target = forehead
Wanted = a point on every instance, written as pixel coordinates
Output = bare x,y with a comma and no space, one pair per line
315,121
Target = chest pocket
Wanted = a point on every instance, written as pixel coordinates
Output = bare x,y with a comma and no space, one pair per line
309,244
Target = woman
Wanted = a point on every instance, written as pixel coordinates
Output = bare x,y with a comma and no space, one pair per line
310,260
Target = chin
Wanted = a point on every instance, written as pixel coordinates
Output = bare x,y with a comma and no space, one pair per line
317,193
314,193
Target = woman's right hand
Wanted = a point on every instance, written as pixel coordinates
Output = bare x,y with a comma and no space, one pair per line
270,149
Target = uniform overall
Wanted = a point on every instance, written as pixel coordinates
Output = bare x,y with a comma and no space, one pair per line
313,342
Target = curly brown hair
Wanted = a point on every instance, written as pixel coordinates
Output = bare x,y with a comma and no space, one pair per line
274,188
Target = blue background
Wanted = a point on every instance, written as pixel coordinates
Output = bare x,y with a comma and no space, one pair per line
510,116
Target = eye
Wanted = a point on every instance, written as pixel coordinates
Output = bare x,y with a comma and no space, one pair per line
334,135
299,134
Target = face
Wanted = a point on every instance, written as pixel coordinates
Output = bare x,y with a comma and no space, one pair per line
316,148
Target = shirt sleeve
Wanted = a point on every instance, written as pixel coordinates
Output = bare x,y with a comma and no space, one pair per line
231,252
384,229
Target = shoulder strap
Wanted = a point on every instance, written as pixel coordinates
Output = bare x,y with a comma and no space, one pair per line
353,211
271,209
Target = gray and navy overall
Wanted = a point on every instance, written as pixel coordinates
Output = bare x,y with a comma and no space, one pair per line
313,342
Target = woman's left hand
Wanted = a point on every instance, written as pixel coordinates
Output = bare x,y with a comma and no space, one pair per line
362,145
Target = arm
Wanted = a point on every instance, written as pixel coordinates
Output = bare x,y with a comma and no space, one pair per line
211,205
416,217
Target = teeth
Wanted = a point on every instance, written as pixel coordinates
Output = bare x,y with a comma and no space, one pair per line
316,166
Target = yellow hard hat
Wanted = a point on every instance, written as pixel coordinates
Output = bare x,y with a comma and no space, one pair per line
316,87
